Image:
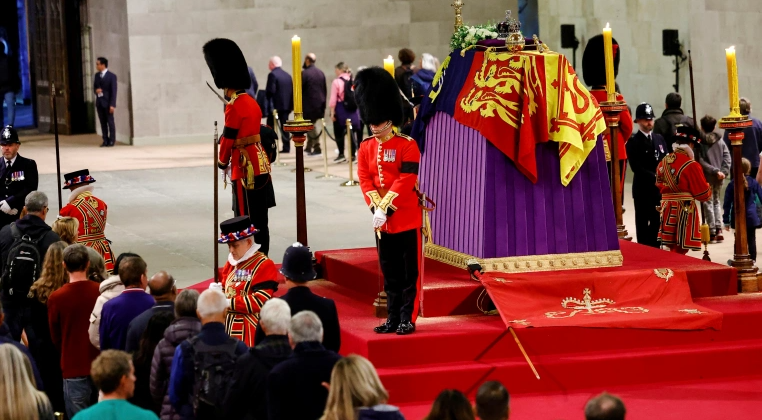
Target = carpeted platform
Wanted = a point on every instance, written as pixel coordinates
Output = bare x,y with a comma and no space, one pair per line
449,291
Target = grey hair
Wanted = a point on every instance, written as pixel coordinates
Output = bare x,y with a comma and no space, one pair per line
36,202
186,303
276,61
275,316
211,302
305,326
428,62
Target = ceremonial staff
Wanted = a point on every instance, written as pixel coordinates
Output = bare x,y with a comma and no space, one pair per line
55,133
216,206
704,225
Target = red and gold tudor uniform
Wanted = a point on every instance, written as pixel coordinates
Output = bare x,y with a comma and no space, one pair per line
248,283
681,181
91,212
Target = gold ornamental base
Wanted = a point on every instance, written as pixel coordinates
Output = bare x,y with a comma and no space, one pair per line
530,263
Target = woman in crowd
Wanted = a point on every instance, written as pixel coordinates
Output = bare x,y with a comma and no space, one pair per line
97,270
451,404
340,113
356,393
421,80
45,354
143,357
20,398
109,288
67,229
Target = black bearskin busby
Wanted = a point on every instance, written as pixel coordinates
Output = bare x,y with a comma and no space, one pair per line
226,62
594,61
378,97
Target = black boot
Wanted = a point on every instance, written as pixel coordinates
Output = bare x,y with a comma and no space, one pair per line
387,327
405,328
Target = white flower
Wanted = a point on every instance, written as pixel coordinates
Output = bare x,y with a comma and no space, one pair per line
463,45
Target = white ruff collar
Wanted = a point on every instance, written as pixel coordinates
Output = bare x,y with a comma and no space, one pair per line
77,191
250,253
685,148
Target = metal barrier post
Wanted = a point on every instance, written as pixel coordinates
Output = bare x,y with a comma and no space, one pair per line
348,152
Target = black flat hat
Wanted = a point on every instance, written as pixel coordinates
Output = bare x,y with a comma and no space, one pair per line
77,178
235,229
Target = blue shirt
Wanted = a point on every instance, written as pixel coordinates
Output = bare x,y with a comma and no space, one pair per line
118,313
752,142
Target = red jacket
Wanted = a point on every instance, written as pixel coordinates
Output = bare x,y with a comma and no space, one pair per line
92,213
388,175
243,118
625,123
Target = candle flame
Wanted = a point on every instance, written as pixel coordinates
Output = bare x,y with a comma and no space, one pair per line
731,49
389,58
607,26
295,38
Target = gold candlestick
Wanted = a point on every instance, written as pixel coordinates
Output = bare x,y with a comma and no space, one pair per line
730,58
608,51
458,5
296,69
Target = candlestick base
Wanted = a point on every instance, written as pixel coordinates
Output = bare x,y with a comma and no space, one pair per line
299,128
735,122
611,111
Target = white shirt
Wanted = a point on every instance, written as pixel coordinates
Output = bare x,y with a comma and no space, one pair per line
649,134
103,73
12,160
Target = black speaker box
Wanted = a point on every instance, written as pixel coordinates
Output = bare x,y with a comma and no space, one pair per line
568,39
670,44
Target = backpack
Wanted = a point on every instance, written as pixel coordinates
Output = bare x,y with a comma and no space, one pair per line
23,266
213,367
350,103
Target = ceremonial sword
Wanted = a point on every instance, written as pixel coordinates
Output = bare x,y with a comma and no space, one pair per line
218,94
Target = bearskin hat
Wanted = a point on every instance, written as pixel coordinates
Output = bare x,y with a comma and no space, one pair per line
226,62
378,97
594,61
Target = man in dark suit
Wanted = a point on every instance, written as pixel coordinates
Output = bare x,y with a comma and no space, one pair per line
18,176
252,90
313,99
105,100
280,90
645,150
302,374
298,270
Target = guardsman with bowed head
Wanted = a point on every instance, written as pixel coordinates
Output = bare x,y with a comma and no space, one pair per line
248,279
242,156
644,151
91,212
681,182
17,174
387,166
594,73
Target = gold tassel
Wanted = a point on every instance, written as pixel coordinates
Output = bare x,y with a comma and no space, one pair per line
249,175
705,233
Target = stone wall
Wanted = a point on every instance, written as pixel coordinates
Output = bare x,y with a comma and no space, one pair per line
706,27
171,102
110,39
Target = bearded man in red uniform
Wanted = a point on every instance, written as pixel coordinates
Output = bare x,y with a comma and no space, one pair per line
242,156
387,166
91,212
594,73
249,279
681,182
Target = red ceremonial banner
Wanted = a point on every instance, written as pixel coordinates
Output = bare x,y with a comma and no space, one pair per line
655,299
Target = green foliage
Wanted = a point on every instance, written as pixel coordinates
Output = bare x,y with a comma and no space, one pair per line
467,36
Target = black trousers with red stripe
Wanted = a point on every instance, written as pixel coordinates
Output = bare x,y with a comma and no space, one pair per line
399,255
256,204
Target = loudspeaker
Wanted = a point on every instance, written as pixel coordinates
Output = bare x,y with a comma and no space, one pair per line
568,39
670,44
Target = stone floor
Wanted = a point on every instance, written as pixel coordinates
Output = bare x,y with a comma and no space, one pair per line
160,202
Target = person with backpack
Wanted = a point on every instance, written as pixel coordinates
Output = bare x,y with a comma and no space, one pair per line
343,107
203,365
23,245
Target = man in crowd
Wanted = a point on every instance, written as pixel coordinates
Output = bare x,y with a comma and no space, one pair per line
493,402
16,283
248,279
605,407
280,90
716,163
313,97
114,375
254,87
10,82
195,380
303,373
5,338
69,315
672,115
17,174
645,150
387,168
249,382
298,270
163,288
105,100
752,139
118,312
91,212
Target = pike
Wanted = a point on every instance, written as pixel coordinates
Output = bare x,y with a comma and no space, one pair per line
704,226
221,98
216,267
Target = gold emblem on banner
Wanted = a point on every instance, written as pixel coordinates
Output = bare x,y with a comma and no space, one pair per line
588,306
520,322
691,311
664,273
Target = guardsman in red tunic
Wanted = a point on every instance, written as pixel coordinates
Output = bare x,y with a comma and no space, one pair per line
91,212
242,156
248,279
681,182
387,166
594,73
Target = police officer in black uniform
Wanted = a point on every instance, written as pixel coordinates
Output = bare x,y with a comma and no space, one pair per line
645,150
18,176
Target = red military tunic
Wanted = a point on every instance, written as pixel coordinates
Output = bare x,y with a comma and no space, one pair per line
91,212
681,180
388,173
243,119
249,284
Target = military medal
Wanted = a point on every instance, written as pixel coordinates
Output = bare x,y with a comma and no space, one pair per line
390,155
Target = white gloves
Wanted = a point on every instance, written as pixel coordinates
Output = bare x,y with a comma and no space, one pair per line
5,207
215,286
379,218
230,303
225,173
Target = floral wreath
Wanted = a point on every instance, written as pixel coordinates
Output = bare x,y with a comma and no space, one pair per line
237,236
467,36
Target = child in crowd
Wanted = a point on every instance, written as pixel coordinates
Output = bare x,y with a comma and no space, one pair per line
716,163
752,194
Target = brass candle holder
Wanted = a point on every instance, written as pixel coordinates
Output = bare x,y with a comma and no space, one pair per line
299,127
612,113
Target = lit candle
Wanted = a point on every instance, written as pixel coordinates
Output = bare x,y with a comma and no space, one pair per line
389,65
730,58
609,55
296,57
